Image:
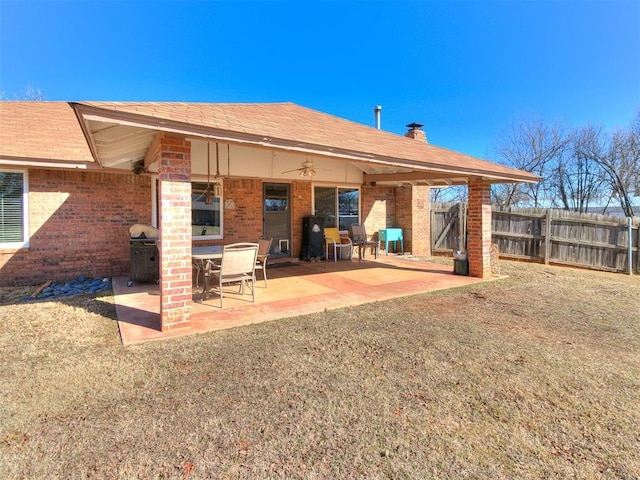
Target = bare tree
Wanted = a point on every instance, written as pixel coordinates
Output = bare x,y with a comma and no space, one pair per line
532,145
30,93
576,179
455,193
618,158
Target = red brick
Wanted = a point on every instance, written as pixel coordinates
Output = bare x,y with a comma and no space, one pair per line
479,229
79,225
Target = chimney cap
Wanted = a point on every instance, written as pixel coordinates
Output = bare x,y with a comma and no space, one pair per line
415,125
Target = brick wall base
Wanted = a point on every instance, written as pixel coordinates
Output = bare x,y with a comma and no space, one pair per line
78,225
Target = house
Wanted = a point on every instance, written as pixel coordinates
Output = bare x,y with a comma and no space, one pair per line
75,176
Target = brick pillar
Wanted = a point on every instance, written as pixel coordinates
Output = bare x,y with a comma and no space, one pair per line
413,215
479,229
300,207
174,199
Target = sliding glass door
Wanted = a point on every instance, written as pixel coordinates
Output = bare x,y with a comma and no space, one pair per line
338,206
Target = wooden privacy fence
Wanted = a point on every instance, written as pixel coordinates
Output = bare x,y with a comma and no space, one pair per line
546,235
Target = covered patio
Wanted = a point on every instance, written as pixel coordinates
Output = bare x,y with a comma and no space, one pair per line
294,288
207,175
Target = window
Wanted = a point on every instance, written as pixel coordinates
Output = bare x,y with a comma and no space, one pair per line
338,206
206,211
13,209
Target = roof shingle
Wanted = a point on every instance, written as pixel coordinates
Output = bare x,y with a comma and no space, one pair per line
42,130
50,130
294,123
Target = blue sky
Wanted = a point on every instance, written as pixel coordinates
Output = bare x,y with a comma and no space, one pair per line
464,69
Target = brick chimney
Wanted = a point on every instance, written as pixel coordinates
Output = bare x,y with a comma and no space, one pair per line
416,132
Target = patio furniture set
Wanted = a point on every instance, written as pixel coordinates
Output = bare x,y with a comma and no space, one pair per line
236,264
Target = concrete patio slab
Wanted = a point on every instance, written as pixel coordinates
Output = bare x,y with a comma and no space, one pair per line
296,288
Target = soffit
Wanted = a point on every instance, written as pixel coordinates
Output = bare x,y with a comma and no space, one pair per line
119,146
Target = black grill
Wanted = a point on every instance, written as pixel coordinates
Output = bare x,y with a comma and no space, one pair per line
145,264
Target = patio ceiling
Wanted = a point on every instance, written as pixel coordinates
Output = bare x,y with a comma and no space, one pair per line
125,146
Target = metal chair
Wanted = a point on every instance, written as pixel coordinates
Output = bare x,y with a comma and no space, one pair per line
236,266
264,247
333,239
359,238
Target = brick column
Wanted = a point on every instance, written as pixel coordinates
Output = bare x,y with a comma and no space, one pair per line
413,215
174,199
479,229
300,207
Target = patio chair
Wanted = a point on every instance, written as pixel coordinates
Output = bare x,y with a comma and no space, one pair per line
237,265
332,239
359,239
264,246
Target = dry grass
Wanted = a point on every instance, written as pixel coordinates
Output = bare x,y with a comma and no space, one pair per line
536,376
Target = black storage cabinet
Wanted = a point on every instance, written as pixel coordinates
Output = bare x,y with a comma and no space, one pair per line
145,266
312,238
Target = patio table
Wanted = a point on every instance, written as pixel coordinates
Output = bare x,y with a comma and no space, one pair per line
210,252
200,256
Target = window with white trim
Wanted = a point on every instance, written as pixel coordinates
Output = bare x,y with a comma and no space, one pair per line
14,231
206,210
338,206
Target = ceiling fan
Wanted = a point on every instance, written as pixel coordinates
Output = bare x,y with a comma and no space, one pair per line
306,169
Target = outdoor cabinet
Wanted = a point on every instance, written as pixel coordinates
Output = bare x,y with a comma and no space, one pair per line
312,238
144,263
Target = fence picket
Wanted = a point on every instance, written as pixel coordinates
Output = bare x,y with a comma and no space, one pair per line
547,235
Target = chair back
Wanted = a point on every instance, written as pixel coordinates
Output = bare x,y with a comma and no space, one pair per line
333,234
357,233
239,259
264,246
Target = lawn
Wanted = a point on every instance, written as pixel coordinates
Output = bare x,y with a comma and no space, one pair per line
533,376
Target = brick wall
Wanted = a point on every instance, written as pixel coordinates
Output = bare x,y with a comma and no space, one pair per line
479,229
404,214
413,215
406,207
421,205
79,225
243,222
243,214
378,208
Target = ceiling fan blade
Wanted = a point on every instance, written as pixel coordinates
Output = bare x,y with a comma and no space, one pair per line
294,170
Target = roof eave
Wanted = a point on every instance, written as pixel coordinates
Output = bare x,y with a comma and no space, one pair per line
89,112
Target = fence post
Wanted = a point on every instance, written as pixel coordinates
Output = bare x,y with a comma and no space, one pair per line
638,251
462,223
547,237
432,218
630,243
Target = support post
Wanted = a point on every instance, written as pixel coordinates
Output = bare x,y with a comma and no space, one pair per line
174,192
479,228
